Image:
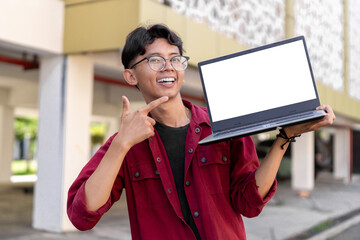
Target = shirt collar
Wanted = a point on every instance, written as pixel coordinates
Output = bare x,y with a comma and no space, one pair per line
198,114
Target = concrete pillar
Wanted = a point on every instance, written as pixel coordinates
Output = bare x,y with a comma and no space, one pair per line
302,162
113,127
65,100
342,153
6,136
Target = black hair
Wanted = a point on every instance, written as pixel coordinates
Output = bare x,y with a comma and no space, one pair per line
138,39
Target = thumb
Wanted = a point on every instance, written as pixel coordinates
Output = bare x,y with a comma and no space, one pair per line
126,106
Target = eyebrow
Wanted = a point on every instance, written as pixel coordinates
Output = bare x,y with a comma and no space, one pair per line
158,54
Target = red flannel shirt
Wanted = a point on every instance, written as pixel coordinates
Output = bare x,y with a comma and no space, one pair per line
219,184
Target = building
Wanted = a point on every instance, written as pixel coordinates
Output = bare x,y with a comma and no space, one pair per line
60,61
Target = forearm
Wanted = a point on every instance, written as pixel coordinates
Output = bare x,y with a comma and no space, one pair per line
266,173
99,185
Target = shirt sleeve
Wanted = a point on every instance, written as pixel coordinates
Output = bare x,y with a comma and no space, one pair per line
79,215
245,197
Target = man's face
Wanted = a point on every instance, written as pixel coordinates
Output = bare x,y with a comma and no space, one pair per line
154,84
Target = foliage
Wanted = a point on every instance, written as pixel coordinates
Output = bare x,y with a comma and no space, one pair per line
321,226
23,167
25,127
98,132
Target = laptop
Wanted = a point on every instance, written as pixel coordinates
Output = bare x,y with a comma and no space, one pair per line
259,90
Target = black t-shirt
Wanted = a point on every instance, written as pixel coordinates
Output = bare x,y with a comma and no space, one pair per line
174,143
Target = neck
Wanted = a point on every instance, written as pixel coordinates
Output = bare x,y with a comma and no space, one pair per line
173,113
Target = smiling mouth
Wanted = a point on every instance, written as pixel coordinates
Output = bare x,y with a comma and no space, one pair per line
166,80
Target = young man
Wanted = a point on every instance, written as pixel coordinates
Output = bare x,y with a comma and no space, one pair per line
175,188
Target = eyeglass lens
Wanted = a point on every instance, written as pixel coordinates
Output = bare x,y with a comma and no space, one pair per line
157,63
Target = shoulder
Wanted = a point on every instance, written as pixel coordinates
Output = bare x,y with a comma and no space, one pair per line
201,111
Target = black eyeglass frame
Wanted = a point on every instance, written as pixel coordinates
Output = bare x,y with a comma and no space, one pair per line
148,58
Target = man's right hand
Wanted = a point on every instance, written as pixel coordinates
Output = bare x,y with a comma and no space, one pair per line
137,126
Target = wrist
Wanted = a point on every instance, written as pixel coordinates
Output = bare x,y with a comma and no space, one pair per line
289,133
284,135
121,144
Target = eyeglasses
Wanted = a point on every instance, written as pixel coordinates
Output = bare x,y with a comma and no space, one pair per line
158,63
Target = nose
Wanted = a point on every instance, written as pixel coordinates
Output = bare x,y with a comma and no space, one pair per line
168,65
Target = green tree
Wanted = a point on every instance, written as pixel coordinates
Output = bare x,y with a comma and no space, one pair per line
97,132
26,128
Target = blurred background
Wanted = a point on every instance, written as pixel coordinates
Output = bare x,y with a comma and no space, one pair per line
61,82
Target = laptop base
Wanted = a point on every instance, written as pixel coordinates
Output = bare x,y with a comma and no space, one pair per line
264,127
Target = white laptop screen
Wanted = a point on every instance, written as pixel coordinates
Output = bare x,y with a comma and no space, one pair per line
258,81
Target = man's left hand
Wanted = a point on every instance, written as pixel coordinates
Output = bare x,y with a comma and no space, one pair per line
327,120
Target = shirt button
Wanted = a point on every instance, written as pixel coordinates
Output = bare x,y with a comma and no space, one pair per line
157,172
196,214
197,130
158,159
190,150
203,160
137,174
187,183
224,158
169,190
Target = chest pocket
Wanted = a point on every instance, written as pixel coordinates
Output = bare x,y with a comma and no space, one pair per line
147,186
214,166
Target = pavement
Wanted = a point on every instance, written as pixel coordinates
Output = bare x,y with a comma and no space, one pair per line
331,208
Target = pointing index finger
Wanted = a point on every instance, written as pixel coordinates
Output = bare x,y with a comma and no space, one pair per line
155,103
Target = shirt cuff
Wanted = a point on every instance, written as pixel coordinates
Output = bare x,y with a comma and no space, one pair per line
252,194
85,218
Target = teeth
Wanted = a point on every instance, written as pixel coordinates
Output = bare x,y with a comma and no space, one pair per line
166,80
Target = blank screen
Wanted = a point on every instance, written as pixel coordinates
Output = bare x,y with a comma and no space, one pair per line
258,81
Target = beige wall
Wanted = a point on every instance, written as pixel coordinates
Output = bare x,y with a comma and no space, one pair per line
33,24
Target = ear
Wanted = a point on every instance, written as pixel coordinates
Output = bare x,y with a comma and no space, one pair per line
130,77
